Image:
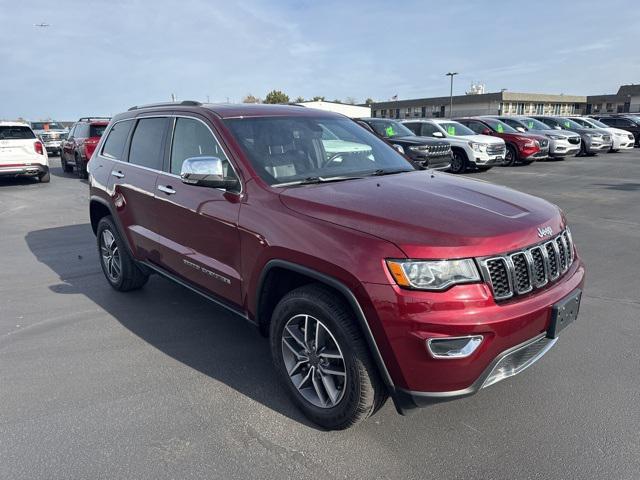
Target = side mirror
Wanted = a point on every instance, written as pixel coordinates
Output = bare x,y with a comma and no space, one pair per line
521,129
486,131
205,172
437,134
557,127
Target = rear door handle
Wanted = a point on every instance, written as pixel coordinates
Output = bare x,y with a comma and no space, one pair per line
117,173
168,189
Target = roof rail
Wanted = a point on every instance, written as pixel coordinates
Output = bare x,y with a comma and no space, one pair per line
186,103
88,119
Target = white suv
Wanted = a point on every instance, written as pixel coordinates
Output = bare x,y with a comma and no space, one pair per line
468,148
22,153
622,140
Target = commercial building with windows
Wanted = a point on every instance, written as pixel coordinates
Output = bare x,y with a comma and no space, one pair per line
498,103
627,100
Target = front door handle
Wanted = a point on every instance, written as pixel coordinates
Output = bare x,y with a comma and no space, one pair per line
117,173
168,189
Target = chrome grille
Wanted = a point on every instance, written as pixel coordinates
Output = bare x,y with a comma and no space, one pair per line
606,138
544,142
439,150
496,149
574,140
521,272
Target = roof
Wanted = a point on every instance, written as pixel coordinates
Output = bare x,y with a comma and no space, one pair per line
231,110
628,90
14,124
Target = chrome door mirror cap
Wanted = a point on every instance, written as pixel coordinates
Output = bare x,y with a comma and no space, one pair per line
205,172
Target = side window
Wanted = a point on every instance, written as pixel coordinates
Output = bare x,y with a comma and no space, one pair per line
114,144
81,130
146,144
192,138
511,123
71,134
414,127
623,122
476,127
428,129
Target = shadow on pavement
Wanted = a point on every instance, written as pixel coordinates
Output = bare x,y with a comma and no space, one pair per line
169,317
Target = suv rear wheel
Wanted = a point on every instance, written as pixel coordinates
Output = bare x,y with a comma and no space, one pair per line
118,267
320,354
81,167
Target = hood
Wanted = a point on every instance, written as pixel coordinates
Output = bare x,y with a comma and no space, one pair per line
551,131
478,138
429,214
416,140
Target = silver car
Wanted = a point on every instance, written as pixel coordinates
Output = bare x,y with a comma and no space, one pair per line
562,143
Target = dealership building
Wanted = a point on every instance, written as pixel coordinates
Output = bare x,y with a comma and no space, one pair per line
499,103
511,103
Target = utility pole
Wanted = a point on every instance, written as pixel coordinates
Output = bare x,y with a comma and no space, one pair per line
173,97
451,74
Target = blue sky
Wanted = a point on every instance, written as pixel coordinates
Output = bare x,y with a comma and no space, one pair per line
100,57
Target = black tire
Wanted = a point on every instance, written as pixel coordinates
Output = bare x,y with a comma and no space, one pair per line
510,156
459,162
45,177
130,276
66,168
362,392
81,167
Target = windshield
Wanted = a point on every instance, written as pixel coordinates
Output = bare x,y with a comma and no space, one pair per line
46,126
16,132
499,126
455,128
596,123
289,150
533,124
390,129
568,123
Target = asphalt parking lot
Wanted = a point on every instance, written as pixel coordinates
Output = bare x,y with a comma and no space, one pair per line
159,383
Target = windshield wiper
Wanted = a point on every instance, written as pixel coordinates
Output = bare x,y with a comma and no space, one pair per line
382,171
312,180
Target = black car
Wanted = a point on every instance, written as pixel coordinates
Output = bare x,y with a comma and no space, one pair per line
630,123
425,151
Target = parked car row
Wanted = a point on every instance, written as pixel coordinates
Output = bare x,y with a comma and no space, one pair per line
484,141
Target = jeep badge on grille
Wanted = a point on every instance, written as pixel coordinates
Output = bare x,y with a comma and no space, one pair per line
545,232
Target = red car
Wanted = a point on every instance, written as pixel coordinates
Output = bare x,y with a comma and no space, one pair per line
78,147
521,147
370,278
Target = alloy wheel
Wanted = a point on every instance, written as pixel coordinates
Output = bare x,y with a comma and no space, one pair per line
314,361
110,256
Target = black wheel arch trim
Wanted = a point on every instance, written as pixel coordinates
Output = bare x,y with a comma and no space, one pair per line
355,306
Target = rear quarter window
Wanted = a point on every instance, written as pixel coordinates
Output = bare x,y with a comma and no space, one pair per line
96,130
16,133
114,145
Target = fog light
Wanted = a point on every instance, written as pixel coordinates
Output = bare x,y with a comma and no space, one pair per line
453,347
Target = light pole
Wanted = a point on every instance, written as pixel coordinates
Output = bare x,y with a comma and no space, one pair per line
451,74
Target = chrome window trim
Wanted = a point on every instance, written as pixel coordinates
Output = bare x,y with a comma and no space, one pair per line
135,119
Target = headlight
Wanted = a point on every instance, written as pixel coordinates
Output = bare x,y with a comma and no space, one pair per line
593,135
530,143
433,274
478,147
398,148
556,137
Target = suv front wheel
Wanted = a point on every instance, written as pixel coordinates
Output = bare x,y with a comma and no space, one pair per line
119,268
321,357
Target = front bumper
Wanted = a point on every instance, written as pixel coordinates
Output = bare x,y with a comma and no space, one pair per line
410,317
53,146
595,146
18,170
441,162
562,148
485,159
623,143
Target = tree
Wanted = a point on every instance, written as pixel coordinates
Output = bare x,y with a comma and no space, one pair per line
299,99
318,99
350,100
276,96
337,100
250,99
368,101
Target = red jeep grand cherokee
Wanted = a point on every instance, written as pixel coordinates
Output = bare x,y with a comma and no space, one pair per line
371,278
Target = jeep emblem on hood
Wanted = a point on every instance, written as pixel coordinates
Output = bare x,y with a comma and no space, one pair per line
545,232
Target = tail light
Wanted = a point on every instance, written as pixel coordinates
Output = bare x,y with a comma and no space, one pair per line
37,145
90,146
